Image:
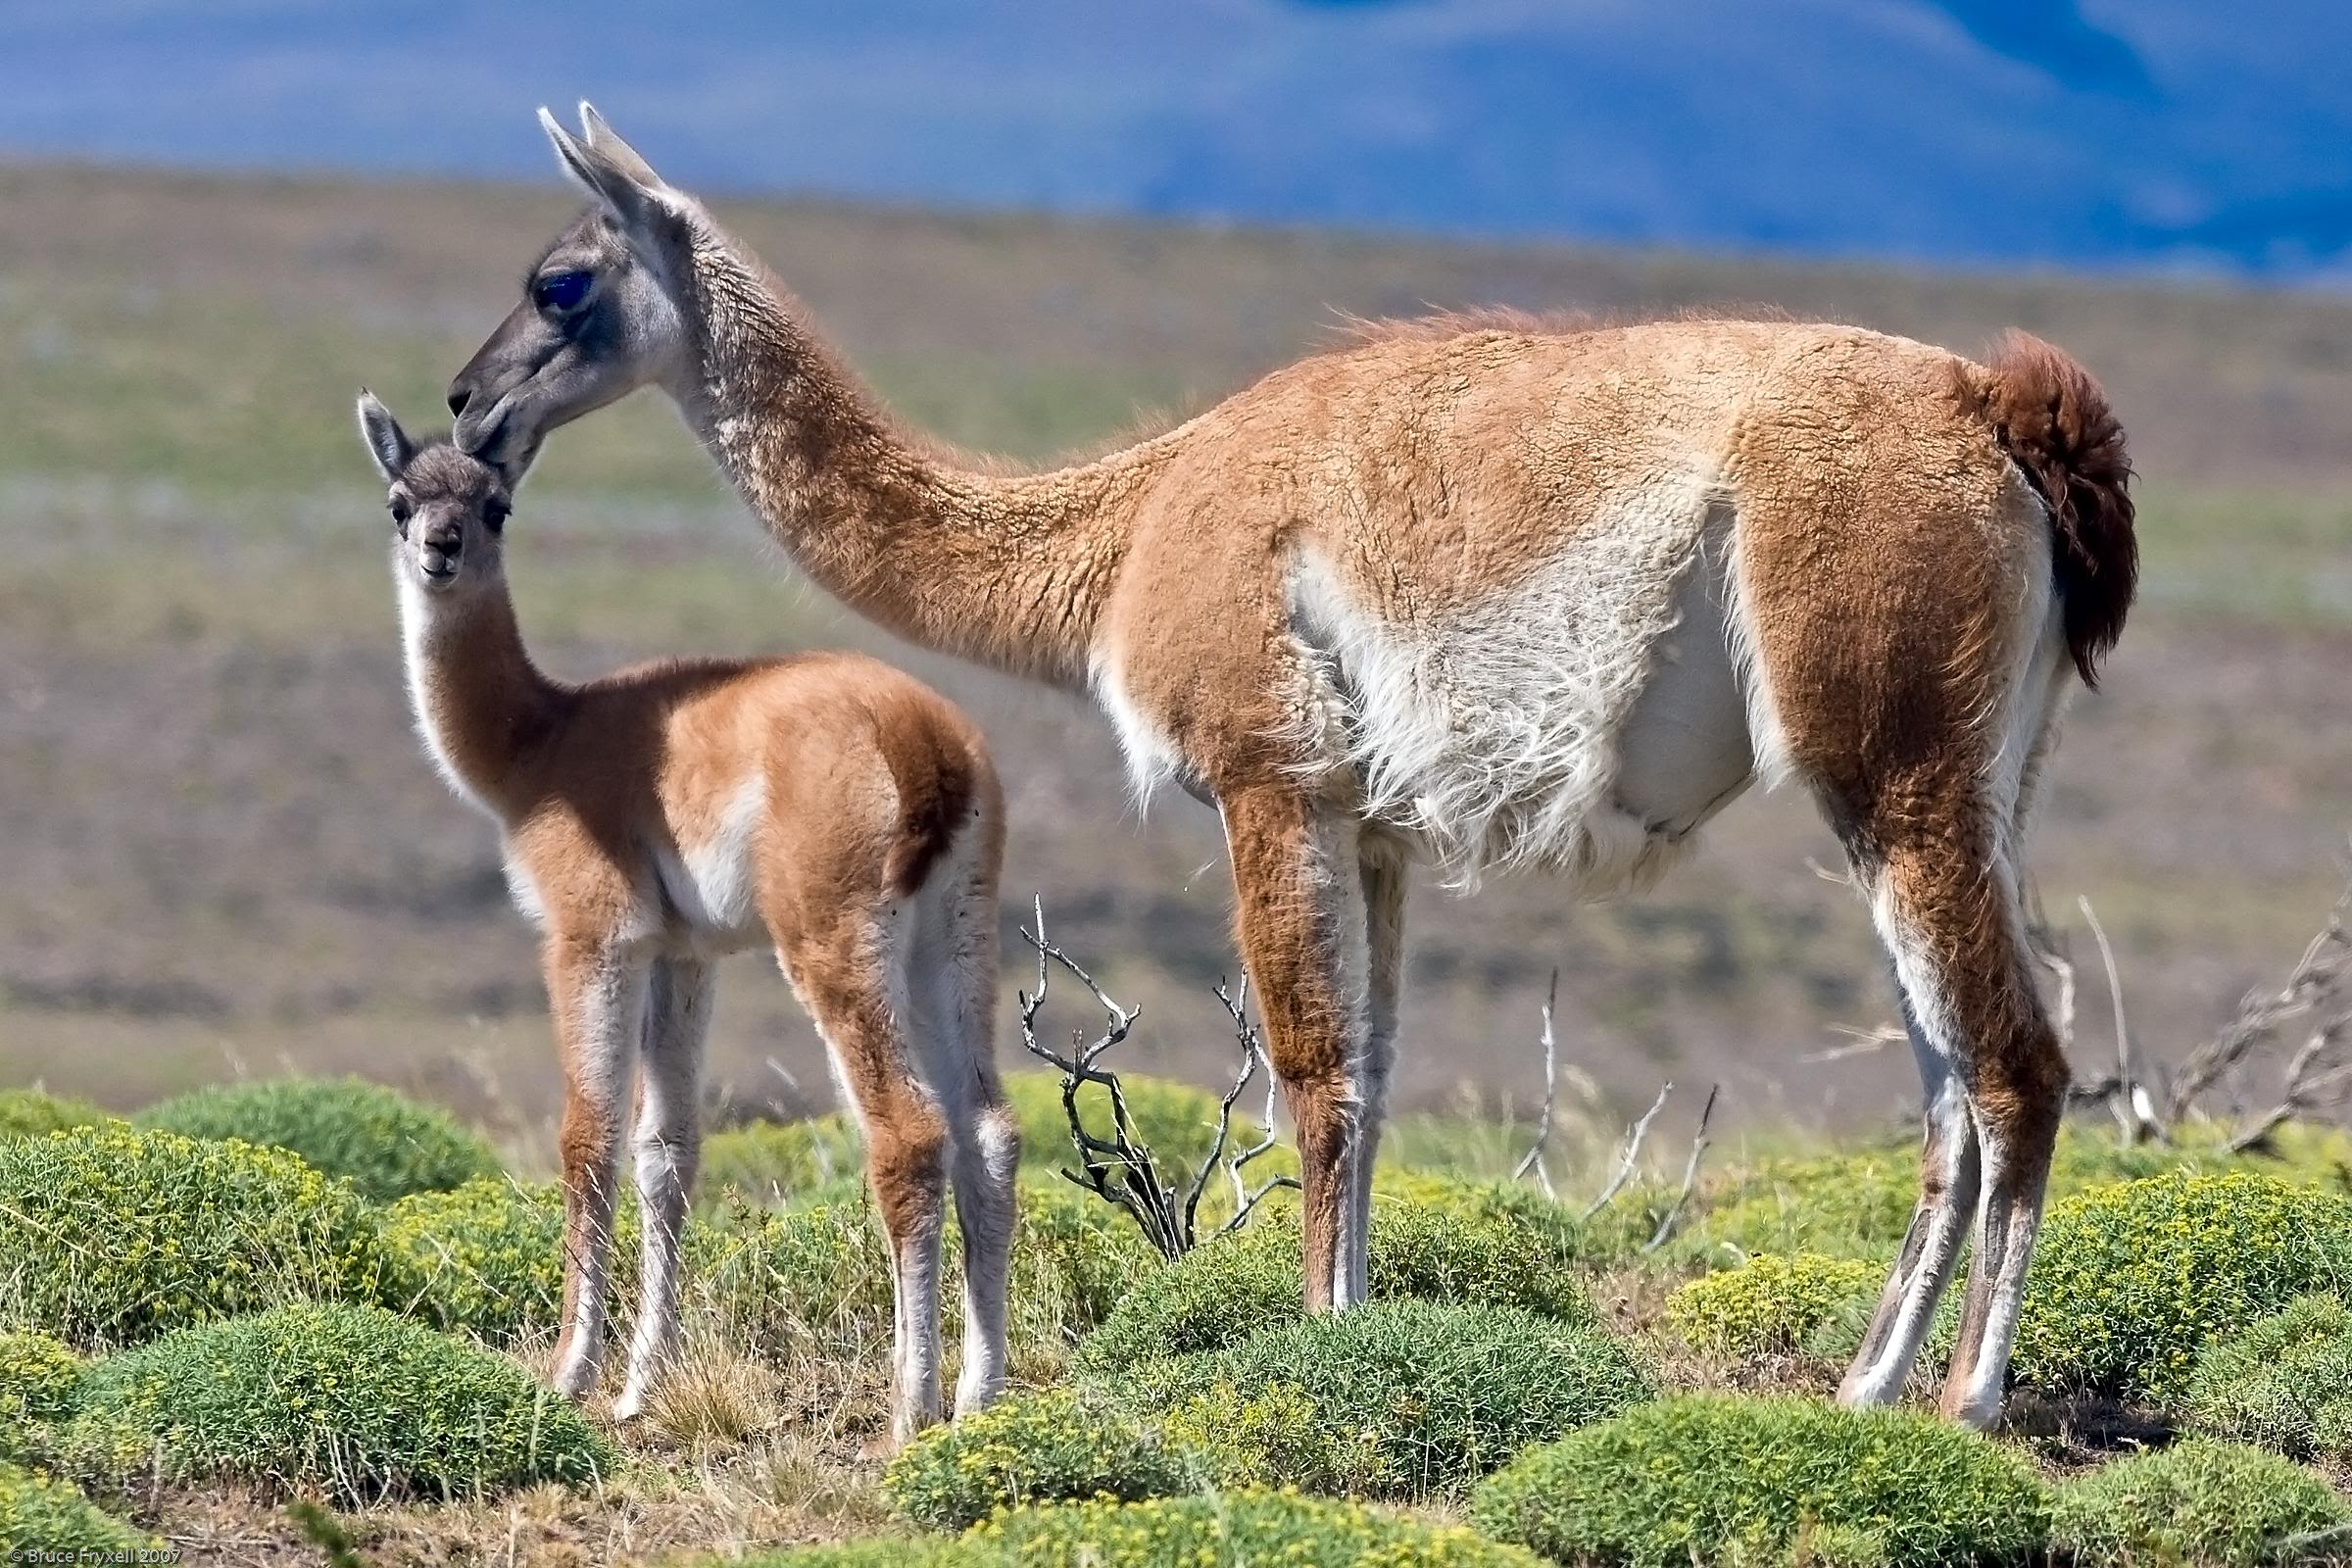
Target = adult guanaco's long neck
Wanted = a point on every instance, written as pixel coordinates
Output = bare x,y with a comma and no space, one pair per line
480,702
1008,570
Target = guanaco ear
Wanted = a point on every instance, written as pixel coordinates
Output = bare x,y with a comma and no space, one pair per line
609,170
388,442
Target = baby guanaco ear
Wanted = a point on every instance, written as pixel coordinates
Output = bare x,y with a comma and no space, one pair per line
388,442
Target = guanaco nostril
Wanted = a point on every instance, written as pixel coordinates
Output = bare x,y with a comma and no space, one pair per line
458,397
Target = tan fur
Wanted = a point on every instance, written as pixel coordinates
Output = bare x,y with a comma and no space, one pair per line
1412,594
867,858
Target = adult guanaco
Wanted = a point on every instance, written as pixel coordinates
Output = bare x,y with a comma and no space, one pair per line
656,819
1486,592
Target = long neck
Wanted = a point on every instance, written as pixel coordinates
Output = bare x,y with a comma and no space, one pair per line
480,702
1011,571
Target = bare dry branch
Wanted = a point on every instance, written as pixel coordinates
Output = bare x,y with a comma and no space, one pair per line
1631,1152
1534,1158
1698,1152
2129,1102
1253,1056
1121,1169
1858,1042
2310,986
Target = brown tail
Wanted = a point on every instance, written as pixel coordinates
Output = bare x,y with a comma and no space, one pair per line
2050,416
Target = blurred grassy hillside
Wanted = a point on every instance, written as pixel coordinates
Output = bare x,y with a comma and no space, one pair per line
221,846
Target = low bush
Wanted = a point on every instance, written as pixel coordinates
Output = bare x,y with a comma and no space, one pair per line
31,1112
1399,1398
2129,1281
1256,1528
486,1258
777,1161
352,1399
384,1144
114,1236
1053,1446
1712,1477
815,1279
1233,1286
39,1377
1770,1305
2284,1382
1074,1258
2201,1502
1849,1206
41,1515
1231,1529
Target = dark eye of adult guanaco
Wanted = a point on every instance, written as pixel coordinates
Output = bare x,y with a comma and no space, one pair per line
561,291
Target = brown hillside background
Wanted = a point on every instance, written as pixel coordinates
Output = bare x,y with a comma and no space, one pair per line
222,852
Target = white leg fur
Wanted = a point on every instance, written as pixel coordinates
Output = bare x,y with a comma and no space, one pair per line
606,1022
1384,891
1938,1227
668,1150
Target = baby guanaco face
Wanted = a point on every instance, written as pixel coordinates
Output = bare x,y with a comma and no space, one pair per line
449,510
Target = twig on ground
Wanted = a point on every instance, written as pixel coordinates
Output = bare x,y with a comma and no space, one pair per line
1534,1158
1698,1151
1631,1152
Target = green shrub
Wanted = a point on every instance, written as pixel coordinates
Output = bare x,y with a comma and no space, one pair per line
2129,1281
1771,1306
39,1375
39,1514
1712,1477
1074,1258
2284,1382
110,1236
1233,1286
349,1399
1851,1205
883,1551
769,1162
2202,1502
1036,1447
1231,1529
811,1278
487,1257
1398,1398
384,1144
31,1112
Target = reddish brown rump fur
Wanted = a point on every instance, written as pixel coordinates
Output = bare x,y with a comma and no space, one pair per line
2052,418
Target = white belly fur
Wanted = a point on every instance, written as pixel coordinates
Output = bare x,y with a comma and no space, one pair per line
1585,721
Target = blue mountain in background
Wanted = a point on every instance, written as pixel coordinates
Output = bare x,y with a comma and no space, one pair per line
2167,133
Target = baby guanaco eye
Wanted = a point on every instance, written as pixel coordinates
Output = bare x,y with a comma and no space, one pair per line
494,513
561,291
401,512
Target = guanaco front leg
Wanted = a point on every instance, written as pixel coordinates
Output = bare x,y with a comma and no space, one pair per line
598,996
669,1150
1300,891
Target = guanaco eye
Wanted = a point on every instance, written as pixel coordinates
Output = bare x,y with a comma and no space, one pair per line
561,291
494,514
401,512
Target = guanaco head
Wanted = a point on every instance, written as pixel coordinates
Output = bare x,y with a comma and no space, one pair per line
600,314
448,509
